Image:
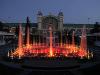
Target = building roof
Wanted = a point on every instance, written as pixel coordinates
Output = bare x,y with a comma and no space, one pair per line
78,25
23,24
65,25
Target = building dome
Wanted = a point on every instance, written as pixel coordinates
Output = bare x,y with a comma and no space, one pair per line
39,13
60,14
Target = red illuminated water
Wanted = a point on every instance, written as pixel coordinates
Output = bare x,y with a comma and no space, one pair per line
51,49
73,41
43,50
83,44
19,50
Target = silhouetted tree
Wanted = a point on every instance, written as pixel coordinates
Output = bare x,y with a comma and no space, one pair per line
16,31
96,28
26,27
1,26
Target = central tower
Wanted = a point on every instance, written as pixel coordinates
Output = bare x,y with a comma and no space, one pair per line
45,21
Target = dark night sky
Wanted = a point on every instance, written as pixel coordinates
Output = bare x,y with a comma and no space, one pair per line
75,11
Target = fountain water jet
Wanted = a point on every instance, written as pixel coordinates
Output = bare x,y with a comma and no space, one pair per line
73,42
19,50
83,44
61,39
51,49
20,42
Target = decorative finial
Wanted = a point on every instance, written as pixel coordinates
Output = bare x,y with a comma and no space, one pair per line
39,12
27,19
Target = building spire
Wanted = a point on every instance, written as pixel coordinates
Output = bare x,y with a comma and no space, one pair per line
60,13
39,12
27,19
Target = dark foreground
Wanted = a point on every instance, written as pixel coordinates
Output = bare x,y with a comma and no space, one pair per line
50,67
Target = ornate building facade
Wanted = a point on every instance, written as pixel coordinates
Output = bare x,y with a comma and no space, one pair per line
46,21
56,22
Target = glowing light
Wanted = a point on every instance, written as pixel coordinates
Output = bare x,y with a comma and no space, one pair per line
83,45
43,50
51,50
73,42
19,50
8,54
61,39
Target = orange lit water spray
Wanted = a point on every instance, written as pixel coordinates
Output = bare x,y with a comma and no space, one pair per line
51,49
83,44
19,50
73,41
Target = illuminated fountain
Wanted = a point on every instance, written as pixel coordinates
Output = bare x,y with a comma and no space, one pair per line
51,49
83,44
19,50
61,39
43,50
73,42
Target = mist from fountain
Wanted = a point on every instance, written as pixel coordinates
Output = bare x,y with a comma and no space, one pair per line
83,45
